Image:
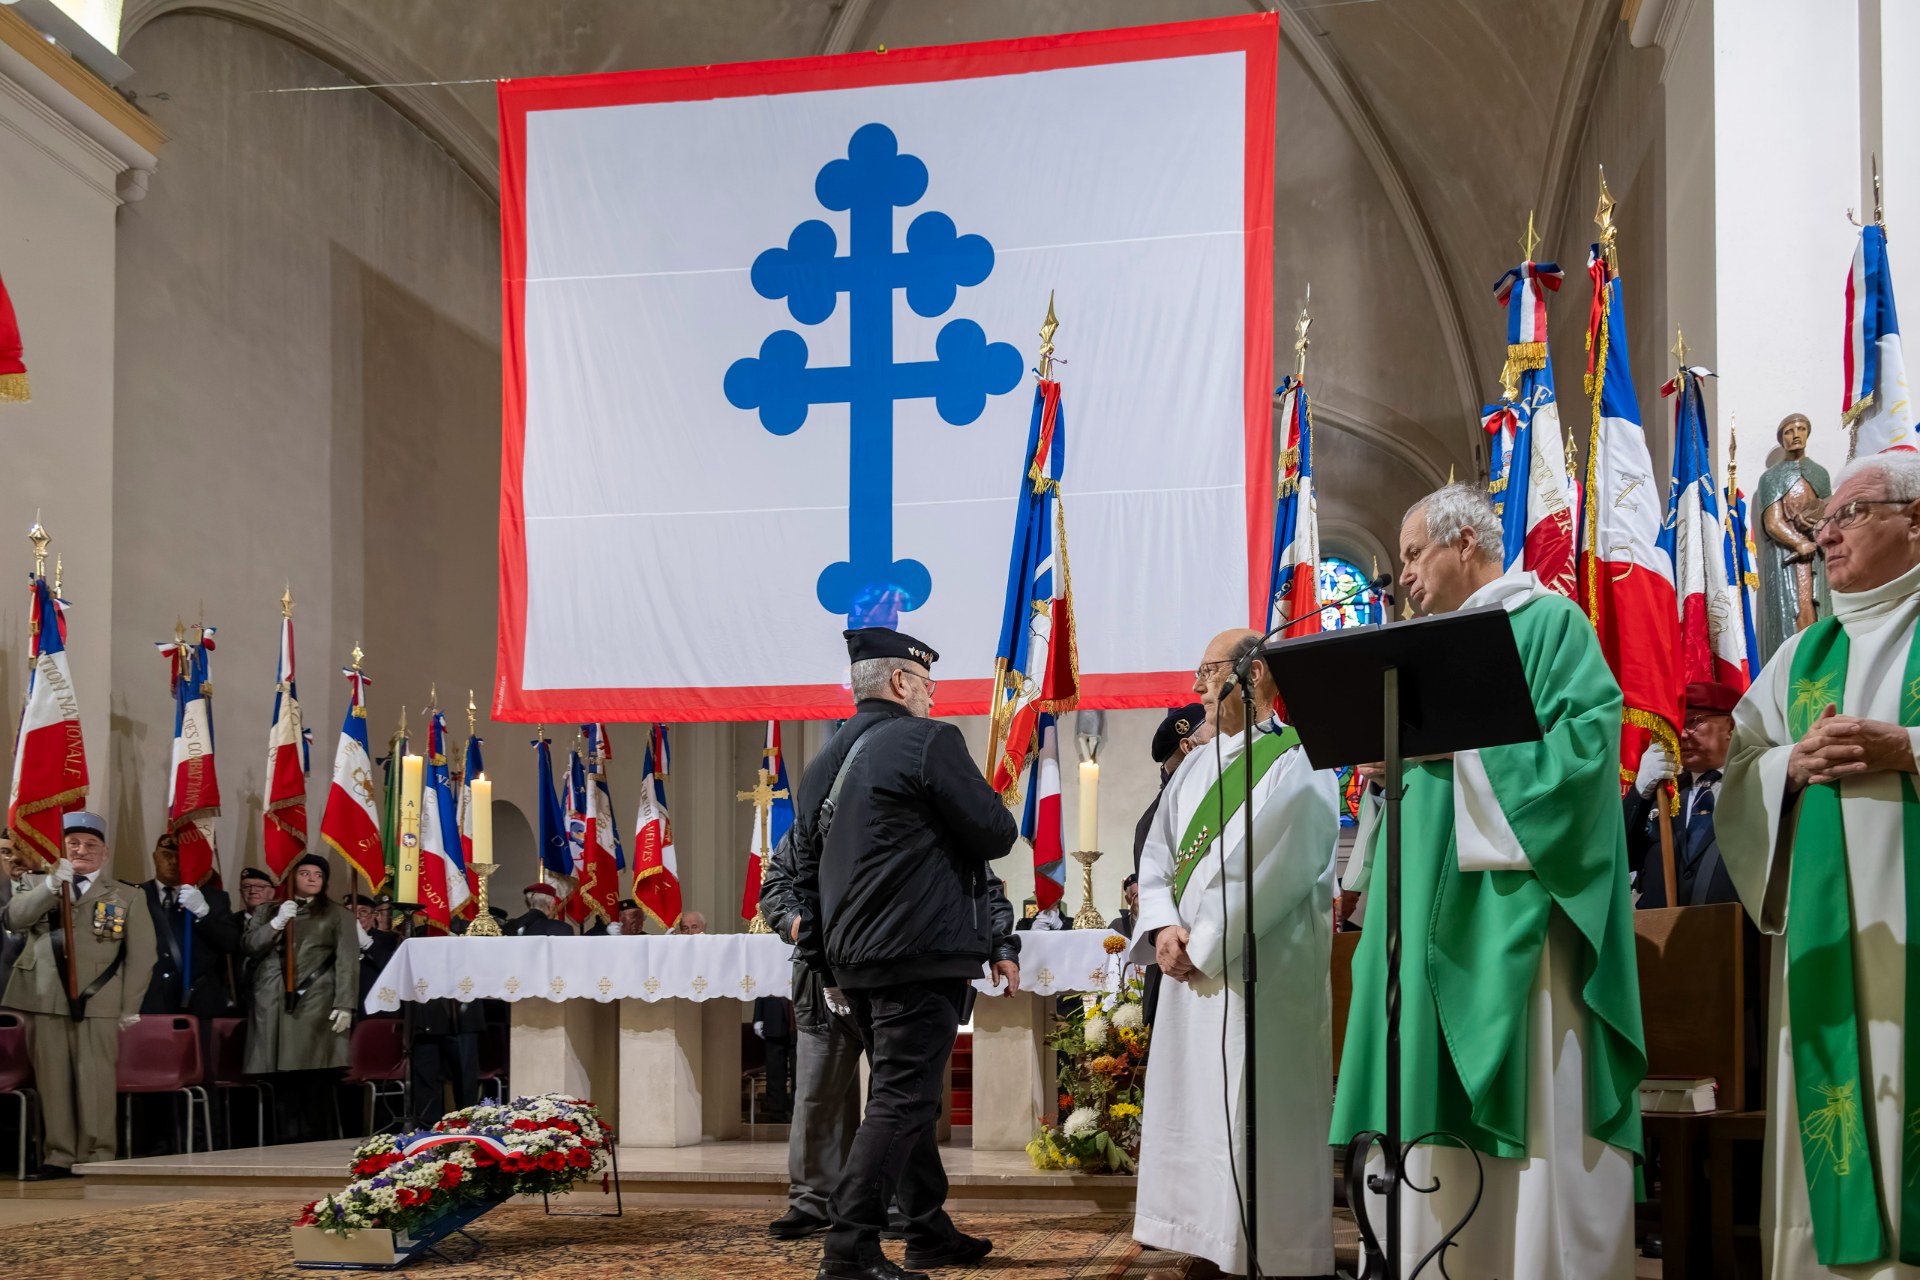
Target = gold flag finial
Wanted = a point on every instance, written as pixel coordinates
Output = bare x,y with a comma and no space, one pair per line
1449,473
472,710
1679,347
357,656
286,602
59,573
1530,241
1300,340
402,731
1603,218
37,534
1733,445
1048,327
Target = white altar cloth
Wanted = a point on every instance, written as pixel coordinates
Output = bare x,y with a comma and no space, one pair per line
1063,961
708,966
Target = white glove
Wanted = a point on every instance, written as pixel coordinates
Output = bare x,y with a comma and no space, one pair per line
836,1001
63,871
193,900
287,910
613,929
128,1020
1656,767
342,1019
760,1029
366,939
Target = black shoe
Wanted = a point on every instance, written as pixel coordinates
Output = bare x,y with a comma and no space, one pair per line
796,1224
957,1251
1650,1247
880,1268
49,1172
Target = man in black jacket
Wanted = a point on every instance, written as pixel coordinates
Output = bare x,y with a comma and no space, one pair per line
377,946
543,908
192,926
896,913
1699,874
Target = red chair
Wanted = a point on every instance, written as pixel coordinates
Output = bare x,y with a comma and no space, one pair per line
493,1060
226,1071
377,1059
161,1054
16,1079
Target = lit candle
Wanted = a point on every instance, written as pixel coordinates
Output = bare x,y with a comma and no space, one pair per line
482,819
410,776
1089,804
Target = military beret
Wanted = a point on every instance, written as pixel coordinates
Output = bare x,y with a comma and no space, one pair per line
1180,722
362,900
628,904
1706,695
547,889
85,820
255,873
884,642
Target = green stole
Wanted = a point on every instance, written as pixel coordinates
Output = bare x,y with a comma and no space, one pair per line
1223,802
1842,1176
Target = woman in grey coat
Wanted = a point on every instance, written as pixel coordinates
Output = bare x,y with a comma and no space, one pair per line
300,1035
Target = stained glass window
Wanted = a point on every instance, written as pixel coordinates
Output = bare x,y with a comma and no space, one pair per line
1352,787
1340,578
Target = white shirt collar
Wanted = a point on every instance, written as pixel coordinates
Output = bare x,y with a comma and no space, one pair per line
1511,590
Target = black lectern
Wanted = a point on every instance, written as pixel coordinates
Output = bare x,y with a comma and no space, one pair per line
1407,690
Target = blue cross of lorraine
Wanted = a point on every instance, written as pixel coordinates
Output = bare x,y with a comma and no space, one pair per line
870,586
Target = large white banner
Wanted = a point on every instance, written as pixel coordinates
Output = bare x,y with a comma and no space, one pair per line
770,331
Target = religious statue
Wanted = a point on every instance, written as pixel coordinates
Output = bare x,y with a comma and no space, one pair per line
1793,574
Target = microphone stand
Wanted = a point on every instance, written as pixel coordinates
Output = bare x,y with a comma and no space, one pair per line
1250,942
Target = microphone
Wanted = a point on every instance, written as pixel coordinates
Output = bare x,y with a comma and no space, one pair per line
1379,582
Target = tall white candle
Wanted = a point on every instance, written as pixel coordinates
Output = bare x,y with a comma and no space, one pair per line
1089,804
482,819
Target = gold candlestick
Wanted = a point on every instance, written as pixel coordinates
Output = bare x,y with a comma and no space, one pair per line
1088,917
484,925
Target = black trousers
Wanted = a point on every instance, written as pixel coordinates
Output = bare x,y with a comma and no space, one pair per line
437,1059
908,1033
779,1077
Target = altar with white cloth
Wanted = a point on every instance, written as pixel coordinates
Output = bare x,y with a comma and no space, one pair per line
647,1027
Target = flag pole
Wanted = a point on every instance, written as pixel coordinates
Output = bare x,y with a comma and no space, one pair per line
540,862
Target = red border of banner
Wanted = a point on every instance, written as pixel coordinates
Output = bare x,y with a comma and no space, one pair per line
1255,35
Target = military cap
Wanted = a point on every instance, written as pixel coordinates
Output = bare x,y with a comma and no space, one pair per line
884,642
1707,695
85,820
1180,722
255,873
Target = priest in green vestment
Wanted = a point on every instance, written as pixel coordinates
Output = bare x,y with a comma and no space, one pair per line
1818,823
1520,1027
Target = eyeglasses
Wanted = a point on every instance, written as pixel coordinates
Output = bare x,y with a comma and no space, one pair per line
930,681
1854,512
1204,672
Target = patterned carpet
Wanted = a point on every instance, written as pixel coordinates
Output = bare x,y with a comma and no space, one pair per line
250,1242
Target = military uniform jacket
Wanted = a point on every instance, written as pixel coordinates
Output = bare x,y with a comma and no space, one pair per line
109,921
326,966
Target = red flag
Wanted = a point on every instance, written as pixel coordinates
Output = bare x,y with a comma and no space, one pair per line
351,822
285,835
13,365
193,790
49,758
656,880
600,865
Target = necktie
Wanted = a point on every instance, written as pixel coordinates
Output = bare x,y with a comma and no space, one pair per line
170,902
1700,817
80,884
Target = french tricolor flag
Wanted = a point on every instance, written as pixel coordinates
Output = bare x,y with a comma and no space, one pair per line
1712,643
1041,822
1876,403
600,857
350,824
656,877
443,872
49,758
285,836
1532,492
193,789
475,768
1295,585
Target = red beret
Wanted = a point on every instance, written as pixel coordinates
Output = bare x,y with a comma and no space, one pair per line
547,889
1706,695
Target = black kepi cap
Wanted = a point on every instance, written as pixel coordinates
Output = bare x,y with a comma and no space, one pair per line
884,642
1180,722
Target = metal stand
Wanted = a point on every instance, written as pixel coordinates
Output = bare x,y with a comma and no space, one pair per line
1249,977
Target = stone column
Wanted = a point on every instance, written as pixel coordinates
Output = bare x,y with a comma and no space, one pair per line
569,1047
662,1081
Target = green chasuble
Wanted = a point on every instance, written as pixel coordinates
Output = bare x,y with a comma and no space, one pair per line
1473,941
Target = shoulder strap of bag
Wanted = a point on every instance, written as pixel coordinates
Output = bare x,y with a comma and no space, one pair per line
823,822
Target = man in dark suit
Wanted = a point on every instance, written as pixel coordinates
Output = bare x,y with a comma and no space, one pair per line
377,946
195,931
1177,735
773,1023
543,906
1700,877
1122,924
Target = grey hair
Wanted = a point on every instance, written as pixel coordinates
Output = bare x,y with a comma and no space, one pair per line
1452,508
872,675
1900,472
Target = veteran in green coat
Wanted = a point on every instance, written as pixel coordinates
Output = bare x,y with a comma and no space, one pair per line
76,1041
304,1029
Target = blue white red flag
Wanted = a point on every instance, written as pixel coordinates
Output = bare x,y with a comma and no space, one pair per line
771,825
473,767
1532,492
1875,403
1036,666
1746,583
1626,570
284,838
443,872
573,799
556,857
1295,584
601,856
656,877
1712,646
1041,822
193,787
350,824
49,757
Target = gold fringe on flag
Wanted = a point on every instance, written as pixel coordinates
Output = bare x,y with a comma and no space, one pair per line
14,389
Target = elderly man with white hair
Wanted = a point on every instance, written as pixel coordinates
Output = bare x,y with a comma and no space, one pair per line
1520,1018
1819,823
